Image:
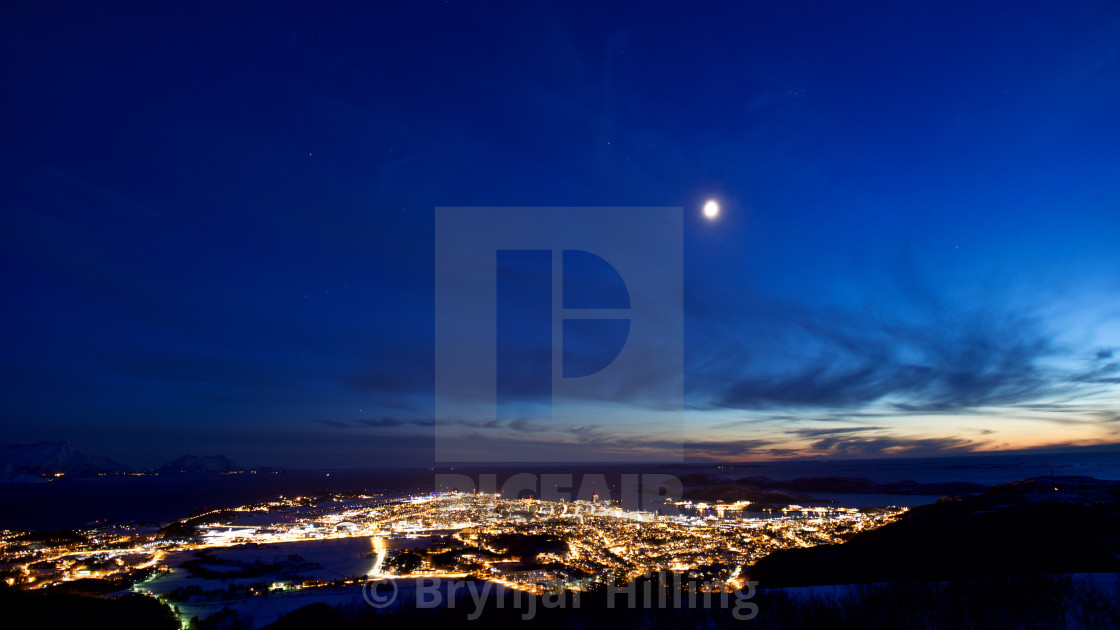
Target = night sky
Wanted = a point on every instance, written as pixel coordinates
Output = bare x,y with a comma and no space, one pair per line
217,224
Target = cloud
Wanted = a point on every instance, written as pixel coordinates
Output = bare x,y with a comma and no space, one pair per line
587,434
843,362
488,424
819,432
731,449
376,423
1107,374
860,446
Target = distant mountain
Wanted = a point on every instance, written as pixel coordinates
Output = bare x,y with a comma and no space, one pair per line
46,459
1029,527
859,485
9,475
196,464
766,491
731,492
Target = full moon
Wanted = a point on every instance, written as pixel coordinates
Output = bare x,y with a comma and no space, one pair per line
711,209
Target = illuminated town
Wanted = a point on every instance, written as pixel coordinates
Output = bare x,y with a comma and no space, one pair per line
291,546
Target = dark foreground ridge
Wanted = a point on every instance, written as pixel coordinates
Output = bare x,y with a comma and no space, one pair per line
22,609
1027,527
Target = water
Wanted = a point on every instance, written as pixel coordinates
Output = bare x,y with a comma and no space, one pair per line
68,503
76,502
986,469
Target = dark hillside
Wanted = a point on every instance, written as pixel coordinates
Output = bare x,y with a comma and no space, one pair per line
1021,528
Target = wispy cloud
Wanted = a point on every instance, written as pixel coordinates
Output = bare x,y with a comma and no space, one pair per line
860,446
376,423
829,431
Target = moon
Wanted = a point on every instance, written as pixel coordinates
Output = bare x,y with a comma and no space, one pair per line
711,209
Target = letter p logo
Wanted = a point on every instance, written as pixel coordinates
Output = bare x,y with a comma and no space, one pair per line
595,324
556,325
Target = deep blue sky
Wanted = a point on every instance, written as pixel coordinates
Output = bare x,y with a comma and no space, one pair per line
217,223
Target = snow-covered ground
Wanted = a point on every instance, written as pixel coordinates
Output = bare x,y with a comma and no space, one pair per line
336,557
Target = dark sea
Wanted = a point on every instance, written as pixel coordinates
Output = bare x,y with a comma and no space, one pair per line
78,502
73,502
983,468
